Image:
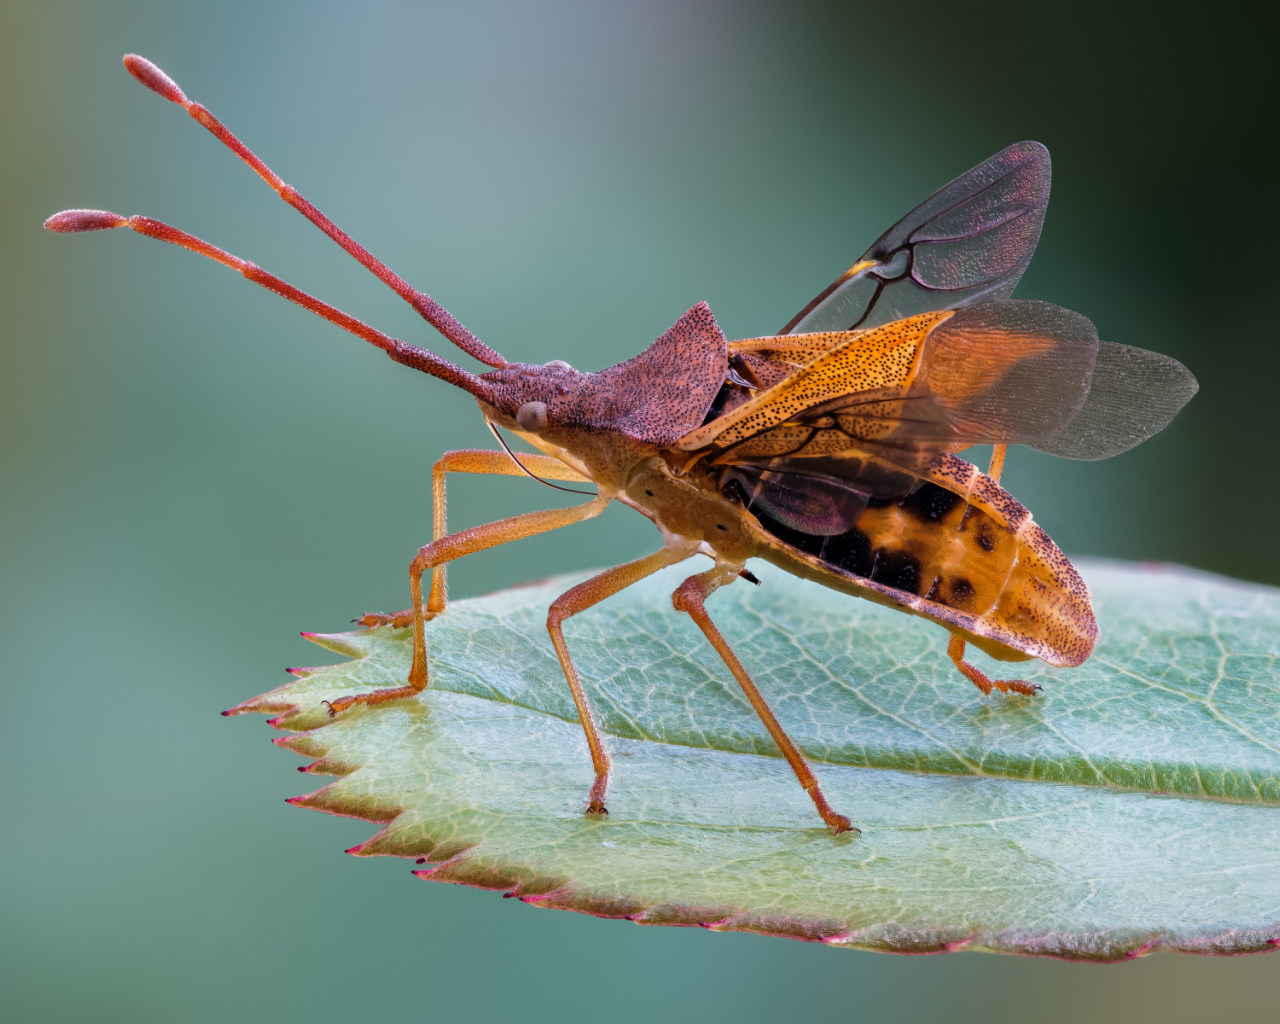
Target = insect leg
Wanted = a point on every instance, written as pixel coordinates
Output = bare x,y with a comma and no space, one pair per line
446,549
996,467
476,461
479,461
425,306
578,599
955,651
690,597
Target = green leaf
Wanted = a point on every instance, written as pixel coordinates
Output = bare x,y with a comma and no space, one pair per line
1134,806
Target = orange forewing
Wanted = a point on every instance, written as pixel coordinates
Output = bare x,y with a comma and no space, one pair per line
882,360
1004,373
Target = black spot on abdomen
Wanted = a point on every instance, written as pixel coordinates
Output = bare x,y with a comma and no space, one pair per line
898,570
929,503
849,551
959,593
852,552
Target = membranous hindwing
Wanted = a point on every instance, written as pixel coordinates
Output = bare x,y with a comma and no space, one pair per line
969,242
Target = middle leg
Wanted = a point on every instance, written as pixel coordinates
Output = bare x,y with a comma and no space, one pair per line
578,599
457,545
690,597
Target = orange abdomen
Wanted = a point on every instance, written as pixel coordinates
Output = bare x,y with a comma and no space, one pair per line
964,552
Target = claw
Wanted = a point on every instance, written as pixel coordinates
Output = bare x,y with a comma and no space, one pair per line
336,707
595,799
343,703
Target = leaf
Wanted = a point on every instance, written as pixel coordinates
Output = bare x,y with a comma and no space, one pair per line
1134,806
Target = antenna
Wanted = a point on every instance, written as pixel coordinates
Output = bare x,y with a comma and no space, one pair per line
410,355
426,307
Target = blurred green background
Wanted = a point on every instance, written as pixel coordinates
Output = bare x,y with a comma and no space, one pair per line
194,470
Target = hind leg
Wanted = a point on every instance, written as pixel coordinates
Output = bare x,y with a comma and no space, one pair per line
955,651
690,598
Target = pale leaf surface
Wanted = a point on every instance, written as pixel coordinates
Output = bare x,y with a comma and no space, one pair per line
1134,806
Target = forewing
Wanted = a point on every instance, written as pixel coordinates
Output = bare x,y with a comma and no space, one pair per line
967,243
852,363
1004,373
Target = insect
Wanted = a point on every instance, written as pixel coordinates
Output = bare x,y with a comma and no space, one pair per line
828,449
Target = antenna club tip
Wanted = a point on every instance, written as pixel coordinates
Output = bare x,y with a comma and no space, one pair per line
69,221
153,78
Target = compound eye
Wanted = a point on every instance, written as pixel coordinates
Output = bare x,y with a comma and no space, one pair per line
557,364
532,417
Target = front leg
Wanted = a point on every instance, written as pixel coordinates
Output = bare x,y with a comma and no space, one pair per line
446,549
480,462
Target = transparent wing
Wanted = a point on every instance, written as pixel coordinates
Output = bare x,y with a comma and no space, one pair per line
967,243
1134,395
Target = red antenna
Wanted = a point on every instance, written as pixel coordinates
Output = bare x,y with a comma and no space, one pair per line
401,352
427,307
